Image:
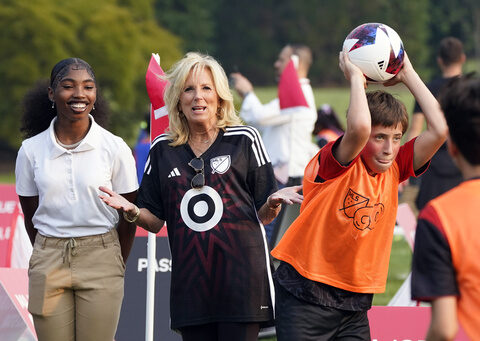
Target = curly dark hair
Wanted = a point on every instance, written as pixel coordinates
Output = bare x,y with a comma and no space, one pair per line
37,107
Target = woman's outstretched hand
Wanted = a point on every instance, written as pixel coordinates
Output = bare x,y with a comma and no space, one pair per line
287,195
116,201
271,208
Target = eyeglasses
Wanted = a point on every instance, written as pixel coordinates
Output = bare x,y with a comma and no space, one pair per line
198,165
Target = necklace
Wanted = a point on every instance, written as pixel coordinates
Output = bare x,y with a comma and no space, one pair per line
207,141
201,146
68,146
73,145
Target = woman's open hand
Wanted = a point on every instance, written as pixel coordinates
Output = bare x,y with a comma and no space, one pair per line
287,195
116,201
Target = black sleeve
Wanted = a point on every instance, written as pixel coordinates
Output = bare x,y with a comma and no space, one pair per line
260,178
262,183
149,193
433,274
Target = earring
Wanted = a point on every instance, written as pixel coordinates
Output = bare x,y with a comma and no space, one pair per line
53,105
93,107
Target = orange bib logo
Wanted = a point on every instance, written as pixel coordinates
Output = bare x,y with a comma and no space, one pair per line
355,207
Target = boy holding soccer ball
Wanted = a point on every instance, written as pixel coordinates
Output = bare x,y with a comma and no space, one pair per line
335,255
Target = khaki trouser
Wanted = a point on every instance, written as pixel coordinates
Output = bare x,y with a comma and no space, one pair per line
76,287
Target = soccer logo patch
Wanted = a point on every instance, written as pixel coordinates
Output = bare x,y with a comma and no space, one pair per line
355,206
220,164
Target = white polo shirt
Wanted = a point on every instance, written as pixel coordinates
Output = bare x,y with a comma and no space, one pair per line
67,181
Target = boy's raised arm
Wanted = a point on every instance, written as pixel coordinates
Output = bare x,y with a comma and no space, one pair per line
428,142
358,126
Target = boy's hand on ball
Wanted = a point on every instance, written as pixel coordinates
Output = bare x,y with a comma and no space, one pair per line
401,76
349,69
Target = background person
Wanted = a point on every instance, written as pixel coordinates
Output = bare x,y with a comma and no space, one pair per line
327,126
335,254
211,180
279,131
287,137
442,174
142,147
76,271
445,268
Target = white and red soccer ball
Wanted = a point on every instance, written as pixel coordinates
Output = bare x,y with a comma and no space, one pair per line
376,49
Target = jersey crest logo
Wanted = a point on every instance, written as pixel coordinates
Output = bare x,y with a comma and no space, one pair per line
352,202
220,164
355,207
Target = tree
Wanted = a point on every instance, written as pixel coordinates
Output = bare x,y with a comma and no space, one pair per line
460,19
191,20
246,39
250,33
115,39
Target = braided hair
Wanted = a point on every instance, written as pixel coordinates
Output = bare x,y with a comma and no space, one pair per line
37,107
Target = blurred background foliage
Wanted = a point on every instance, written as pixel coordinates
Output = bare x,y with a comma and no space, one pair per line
117,37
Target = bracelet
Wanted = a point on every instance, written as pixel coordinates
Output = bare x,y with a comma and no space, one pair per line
135,217
274,207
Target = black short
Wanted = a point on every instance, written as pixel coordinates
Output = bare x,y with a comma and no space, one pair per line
221,331
299,320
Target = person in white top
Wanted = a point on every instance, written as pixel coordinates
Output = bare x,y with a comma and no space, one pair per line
287,137
287,134
77,267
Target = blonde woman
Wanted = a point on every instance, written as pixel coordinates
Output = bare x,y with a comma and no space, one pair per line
210,179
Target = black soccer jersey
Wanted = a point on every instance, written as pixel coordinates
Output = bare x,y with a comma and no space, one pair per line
220,260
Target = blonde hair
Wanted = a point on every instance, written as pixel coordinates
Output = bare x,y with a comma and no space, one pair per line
178,131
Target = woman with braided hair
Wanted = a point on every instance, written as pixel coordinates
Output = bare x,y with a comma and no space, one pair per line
80,246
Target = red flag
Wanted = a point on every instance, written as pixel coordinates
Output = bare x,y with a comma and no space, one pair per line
290,92
155,89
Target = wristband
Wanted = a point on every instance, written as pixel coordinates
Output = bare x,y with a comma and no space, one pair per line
135,217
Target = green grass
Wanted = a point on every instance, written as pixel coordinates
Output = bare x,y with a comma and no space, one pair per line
338,98
399,268
7,178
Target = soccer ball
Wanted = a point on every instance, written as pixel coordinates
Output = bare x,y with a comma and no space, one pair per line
376,49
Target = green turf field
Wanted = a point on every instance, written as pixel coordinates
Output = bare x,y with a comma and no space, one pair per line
7,178
338,98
